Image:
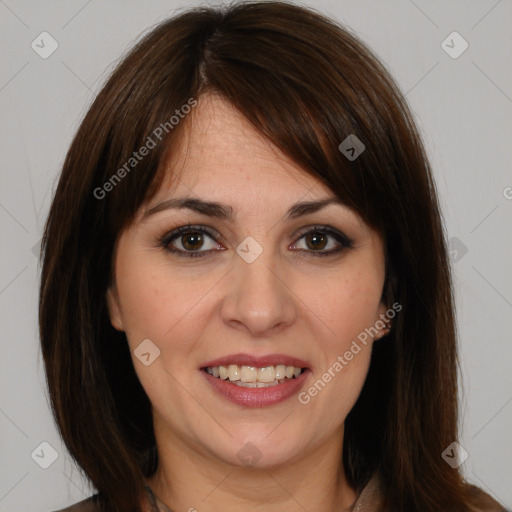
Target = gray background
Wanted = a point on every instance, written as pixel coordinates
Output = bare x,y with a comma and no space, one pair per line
463,107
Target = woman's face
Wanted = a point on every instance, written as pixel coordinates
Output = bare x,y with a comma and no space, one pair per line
252,283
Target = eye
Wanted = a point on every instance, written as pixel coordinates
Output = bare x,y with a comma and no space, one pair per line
198,241
324,241
190,241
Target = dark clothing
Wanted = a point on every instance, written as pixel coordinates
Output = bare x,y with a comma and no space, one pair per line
368,500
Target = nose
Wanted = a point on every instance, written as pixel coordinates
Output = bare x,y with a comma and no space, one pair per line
259,298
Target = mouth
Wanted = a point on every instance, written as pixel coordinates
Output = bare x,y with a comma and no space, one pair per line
253,381
253,376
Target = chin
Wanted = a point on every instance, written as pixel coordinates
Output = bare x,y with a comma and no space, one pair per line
264,451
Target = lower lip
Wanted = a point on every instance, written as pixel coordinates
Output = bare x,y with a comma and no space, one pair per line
256,397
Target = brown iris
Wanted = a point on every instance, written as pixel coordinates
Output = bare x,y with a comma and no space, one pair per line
316,240
192,240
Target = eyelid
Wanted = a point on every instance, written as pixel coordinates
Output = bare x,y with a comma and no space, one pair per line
171,235
341,238
329,230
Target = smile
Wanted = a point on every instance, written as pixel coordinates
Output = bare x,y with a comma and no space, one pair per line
277,383
254,377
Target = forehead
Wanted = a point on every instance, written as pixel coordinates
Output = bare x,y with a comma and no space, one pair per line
220,152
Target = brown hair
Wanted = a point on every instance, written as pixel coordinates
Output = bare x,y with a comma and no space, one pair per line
306,84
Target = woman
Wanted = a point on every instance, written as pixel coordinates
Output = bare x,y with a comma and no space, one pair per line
245,298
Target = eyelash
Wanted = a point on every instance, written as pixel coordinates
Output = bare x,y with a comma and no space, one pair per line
165,241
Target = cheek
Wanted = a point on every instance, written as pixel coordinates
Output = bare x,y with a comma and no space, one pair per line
347,306
350,306
144,303
154,298
158,305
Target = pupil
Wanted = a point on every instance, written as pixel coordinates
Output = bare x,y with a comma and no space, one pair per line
195,238
315,239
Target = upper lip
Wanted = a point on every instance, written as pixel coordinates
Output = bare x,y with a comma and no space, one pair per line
258,361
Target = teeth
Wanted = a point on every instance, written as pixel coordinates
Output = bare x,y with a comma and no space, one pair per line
280,371
267,374
251,376
233,372
248,374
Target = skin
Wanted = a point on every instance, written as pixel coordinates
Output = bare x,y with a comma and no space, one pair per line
287,301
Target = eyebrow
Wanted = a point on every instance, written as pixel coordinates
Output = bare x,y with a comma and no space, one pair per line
225,212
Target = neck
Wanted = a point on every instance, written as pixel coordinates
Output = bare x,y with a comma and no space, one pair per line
189,480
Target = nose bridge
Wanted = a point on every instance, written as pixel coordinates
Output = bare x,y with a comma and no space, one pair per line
258,299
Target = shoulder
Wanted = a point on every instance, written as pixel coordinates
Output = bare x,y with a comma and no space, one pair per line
371,497
93,504
483,502
88,505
